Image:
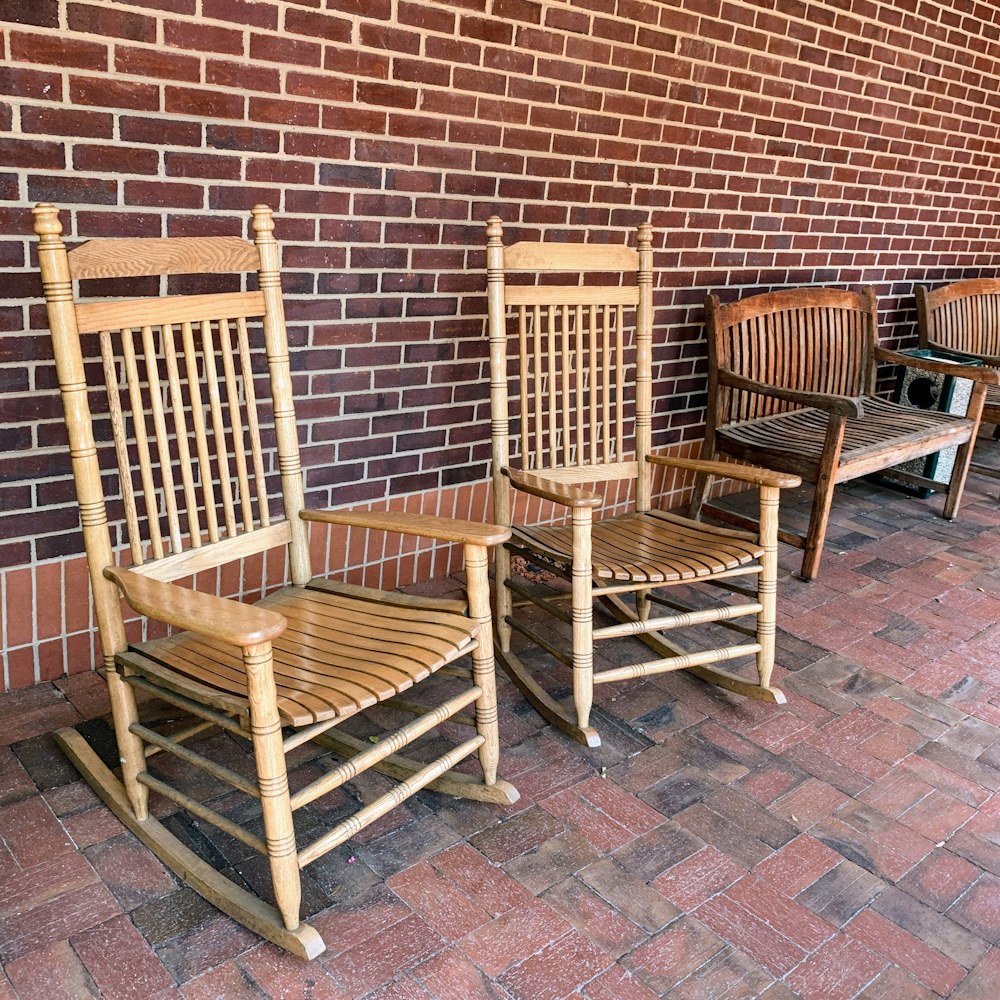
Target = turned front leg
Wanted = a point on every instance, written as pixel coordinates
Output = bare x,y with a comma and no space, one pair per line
269,754
483,668
583,616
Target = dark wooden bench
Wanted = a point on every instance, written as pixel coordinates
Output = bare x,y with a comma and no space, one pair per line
965,317
791,386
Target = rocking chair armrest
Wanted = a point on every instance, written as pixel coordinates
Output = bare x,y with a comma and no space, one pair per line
445,529
846,406
216,617
954,368
549,489
731,470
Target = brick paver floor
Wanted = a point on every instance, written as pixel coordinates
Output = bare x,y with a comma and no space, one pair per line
846,844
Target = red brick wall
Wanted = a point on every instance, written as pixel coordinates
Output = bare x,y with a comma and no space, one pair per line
771,143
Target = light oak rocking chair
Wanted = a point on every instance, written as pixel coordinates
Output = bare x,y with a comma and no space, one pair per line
571,402
189,423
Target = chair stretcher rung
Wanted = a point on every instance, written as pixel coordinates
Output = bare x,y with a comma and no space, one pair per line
202,811
212,767
386,746
307,733
539,641
415,708
734,588
545,603
183,734
685,618
195,708
382,805
455,670
680,662
743,591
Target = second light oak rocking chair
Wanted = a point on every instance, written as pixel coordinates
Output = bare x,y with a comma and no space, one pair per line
570,328
189,422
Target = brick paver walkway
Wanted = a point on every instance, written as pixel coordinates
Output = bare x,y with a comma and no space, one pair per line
844,845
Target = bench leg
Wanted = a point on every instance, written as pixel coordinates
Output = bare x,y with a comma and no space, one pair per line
702,480
820,514
956,486
963,458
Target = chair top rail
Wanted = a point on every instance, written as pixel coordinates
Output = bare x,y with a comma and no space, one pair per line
124,314
569,257
968,288
134,258
791,299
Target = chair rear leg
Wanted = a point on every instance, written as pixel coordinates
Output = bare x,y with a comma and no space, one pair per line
643,605
269,754
124,712
505,604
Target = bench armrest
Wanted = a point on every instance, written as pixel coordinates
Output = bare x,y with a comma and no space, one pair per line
216,617
548,489
992,360
444,529
731,470
988,375
846,406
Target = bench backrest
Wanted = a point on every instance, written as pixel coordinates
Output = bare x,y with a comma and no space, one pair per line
808,339
963,316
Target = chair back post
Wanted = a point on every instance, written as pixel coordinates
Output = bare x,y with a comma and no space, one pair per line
871,341
58,289
279,370
57,285
644,369
498,369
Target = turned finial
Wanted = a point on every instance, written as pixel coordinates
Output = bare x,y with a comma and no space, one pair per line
47,224
263,220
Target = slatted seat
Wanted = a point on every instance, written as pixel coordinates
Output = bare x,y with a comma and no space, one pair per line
570,329
802,433
964,317
339,655
791,384
651,547
189,412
